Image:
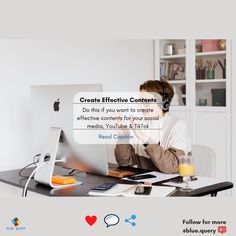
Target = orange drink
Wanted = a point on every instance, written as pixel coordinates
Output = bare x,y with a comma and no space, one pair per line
186,169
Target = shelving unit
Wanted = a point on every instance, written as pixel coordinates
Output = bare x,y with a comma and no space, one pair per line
208,125
210,80
172,58
191,90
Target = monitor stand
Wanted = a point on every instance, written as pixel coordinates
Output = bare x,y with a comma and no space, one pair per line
44,174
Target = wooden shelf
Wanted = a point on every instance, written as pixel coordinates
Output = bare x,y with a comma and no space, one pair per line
199,109
177,81
177,56
178,108
198,81
210,109
207,54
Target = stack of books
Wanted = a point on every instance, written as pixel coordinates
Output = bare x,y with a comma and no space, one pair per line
172,70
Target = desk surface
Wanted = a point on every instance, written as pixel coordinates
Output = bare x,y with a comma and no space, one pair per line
90,180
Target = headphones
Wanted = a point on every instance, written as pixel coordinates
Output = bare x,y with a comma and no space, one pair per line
165,104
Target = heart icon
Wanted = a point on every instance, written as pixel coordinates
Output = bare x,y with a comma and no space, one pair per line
91,220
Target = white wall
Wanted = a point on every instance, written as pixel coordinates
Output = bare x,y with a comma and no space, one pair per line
118,65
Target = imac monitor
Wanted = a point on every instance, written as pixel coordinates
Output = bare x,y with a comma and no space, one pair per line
52,106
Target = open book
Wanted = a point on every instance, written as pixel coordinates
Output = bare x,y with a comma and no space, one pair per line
127,190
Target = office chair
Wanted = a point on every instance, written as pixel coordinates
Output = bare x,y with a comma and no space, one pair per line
204,159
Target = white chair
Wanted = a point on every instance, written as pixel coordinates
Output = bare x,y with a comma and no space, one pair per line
204,159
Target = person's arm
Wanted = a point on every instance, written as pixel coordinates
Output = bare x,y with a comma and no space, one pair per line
167,161
125,155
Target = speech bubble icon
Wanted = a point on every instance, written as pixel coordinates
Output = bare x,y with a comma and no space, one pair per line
111,220
222,229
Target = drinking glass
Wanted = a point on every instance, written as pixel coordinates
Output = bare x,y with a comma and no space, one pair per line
186,170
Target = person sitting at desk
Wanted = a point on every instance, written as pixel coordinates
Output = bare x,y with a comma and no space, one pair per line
162,151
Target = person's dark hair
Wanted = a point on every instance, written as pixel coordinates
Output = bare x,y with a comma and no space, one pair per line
161,87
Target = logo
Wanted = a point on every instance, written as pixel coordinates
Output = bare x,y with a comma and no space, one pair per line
91,220
16,225
111,220
15,222
56,105
222,229
131,220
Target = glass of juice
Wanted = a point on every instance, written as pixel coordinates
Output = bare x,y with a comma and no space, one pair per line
186,170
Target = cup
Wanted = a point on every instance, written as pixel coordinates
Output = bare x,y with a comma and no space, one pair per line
186,170
202,102
211,74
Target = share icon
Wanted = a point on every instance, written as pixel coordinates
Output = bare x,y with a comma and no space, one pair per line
131,220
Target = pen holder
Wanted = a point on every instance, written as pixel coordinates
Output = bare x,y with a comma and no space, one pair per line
211,74
200,73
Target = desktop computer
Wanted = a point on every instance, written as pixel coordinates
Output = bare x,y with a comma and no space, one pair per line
52,131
